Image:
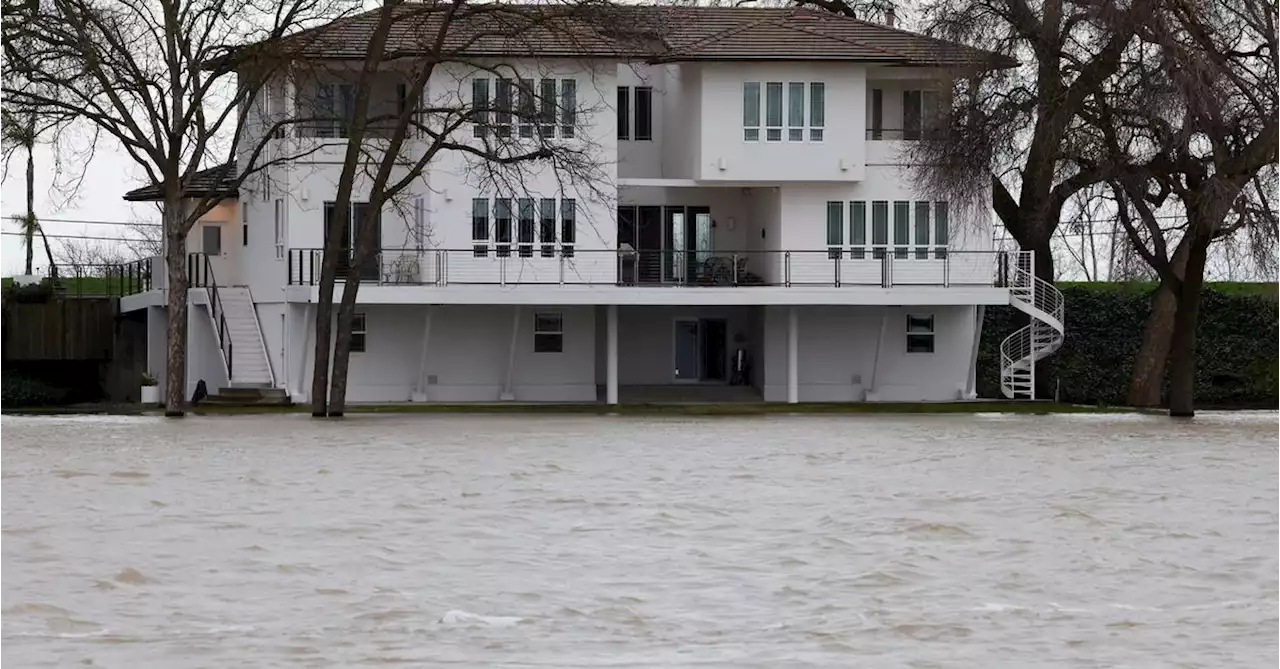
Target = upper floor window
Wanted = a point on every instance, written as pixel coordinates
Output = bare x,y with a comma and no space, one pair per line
797,108
335,108
530,221
921,110
549,105
918,228
635,113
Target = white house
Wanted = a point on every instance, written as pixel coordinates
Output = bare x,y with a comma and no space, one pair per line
755,231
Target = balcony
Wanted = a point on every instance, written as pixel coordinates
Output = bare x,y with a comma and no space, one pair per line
879,267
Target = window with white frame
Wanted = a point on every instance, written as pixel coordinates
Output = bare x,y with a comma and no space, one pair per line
918,228
480,227
524,228
635,113
359,332
335,107
548,332
920,334
799,106
279,228
532,221
549,105
835,229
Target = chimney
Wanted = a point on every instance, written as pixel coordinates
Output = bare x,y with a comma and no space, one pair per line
888,17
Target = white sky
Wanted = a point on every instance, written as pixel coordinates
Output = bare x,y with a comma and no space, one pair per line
109,176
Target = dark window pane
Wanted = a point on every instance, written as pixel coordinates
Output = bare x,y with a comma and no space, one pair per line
502,226
502,102
547,227
624,112
644,113
568,107
751,104
877,113
548,343
568,225
911,114
901,228
525,230
480,103
920,343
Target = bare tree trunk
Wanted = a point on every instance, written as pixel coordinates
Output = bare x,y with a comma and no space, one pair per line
31,209
342,347
324,336
1182,354
176,312
1147,383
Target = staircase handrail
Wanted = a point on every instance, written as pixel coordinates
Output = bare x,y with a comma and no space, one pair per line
219,315
1045,304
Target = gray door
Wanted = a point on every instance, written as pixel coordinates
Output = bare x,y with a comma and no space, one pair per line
686,350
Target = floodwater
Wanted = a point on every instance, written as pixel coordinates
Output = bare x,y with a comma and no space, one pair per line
782,541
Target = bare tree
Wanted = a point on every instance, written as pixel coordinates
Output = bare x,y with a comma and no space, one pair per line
431,41
1014,128
1194,117
156,76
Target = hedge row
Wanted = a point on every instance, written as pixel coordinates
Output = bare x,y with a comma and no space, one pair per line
1236,347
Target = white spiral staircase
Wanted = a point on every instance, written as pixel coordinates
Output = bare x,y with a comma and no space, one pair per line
1020,350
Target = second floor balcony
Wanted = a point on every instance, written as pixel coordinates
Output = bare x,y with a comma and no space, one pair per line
518,265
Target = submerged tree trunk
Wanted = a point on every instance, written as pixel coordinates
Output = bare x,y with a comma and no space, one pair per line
1147,383
176,311
324,335
1182,352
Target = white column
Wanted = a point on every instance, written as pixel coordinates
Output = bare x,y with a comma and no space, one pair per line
420,386
507,394
793,356
611,373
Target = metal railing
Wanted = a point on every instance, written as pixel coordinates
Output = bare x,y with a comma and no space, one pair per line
200,274
533,264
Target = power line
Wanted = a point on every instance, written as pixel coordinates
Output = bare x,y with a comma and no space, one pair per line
87,222
103,239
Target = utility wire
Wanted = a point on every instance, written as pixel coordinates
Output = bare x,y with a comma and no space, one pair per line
88,222
103,239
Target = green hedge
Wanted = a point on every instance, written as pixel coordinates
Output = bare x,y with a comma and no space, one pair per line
1236,350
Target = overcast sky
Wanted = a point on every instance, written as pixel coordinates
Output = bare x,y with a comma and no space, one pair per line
110,174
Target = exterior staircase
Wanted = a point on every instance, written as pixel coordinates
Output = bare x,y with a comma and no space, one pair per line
249,365
1020,351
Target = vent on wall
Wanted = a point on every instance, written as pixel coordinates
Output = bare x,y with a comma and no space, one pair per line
856,380
432,380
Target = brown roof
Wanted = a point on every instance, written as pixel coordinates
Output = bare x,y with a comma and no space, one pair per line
639,32
213,181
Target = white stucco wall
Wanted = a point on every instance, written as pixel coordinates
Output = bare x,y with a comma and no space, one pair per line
838,353
468,354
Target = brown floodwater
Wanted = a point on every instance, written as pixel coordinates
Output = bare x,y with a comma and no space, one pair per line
779,541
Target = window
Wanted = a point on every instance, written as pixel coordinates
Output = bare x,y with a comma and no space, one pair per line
480,105
359,332
940,230
524,238
858,230
911,115
279,229
624,112
568,223
244,233
877,113
547,109
336,103
502,106
773,111
528,108
402,99
751,111
922,230
919,334
502,227
211,235
480,227
817,110
879,228
835,229
548,332
901,228
547,227
568,107
795,113
644,113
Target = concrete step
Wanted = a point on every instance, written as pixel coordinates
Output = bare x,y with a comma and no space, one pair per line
242,395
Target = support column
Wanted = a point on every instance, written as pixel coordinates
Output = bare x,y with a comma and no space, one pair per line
507,394
611,367
420,386
793,356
